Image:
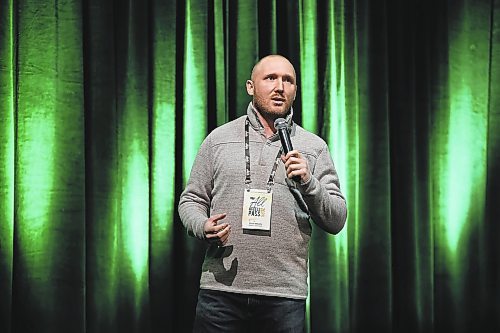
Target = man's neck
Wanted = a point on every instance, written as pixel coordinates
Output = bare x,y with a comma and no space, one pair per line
268,124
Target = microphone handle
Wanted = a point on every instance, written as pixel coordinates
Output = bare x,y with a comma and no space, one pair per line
286,143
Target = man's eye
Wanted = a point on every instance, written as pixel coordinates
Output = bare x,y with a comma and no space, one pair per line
271,78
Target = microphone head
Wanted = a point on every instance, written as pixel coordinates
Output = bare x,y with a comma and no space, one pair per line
280,123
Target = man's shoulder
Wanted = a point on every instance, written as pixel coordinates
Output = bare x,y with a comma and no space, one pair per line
308,137
230,131
309,143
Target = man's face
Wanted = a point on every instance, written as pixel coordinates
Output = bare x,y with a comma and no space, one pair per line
273,87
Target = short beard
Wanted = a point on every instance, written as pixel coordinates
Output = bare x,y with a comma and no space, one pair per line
270,113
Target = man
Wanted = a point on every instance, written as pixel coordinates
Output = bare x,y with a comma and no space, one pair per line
242,200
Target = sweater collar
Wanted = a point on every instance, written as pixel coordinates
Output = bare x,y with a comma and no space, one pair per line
257,125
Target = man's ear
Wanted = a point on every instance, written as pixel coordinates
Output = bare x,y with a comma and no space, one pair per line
250,87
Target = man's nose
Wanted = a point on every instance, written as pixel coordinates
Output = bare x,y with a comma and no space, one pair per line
280,86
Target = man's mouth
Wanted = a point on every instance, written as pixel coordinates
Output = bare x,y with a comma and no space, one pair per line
278,100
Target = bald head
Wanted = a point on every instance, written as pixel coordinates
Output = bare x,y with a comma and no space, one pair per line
273,87
266,60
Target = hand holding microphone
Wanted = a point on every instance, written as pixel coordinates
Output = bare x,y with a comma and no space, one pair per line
296,166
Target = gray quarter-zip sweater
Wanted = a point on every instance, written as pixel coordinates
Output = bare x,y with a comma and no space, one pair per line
275,263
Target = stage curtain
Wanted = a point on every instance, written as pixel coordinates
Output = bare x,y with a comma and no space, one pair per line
104,104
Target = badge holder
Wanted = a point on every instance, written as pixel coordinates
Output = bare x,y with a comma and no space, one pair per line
257,204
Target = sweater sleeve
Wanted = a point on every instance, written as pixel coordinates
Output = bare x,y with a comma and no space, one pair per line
322,195
194,203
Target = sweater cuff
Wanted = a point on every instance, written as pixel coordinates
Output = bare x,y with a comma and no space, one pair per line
309,186
198,229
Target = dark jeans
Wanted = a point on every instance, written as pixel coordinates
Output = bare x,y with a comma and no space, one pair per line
219,311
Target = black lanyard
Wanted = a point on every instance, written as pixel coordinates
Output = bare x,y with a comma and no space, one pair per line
270,182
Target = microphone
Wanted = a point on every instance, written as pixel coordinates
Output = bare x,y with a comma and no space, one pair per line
282,128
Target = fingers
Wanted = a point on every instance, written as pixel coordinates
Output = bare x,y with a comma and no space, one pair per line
299,171
293,157
221,231
211,223
218,217
292,153
225,235
220,237
216,228
217,233
296,166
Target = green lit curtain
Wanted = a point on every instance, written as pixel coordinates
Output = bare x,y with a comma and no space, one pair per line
103,105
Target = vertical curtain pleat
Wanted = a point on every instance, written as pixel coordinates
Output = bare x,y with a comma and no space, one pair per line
7,137
103,194
243,52
308,85
372,278
162,177
329,256
459,149
409,117
194,116
132,112
49,268
491,225
219,67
